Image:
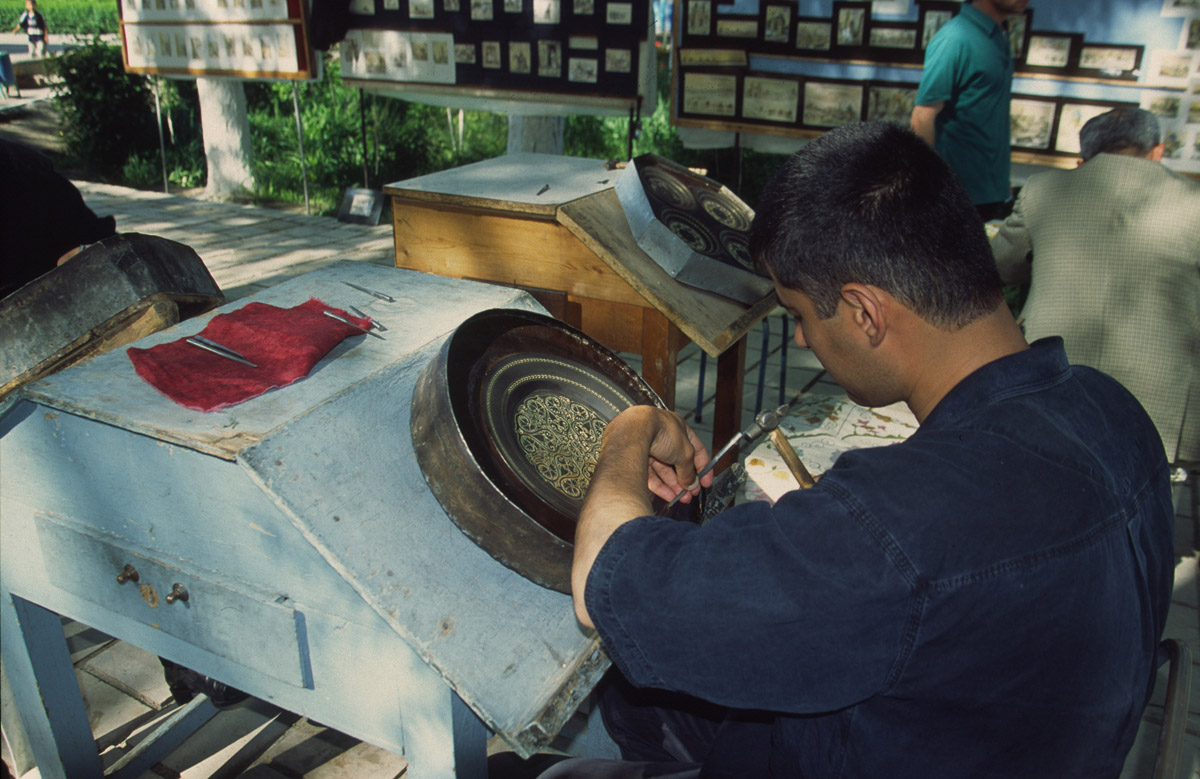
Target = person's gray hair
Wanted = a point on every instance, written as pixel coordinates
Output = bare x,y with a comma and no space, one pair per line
1122,130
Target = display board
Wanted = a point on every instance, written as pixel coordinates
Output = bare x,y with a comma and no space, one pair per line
800,68
596,52
250,39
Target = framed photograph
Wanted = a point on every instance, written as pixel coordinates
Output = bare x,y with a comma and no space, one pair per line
362,7
931,22
893,36
718,57
1170,68
851,25
699,17
777,23
770,99
1164,105
1032,122
737,28
891,103
257,50
441,52
513,6
584,7
1111,61
618,60
420,9
550,58
1048,51
1017,26
547,11
709,94
1071,119
464,53
1181,8
619,13
491,54
481,10
1190,38
892,7
1173,145
813,36
829,104
388,5
583,70
420,51
452,6
1193,113
585,42
520,57
361,206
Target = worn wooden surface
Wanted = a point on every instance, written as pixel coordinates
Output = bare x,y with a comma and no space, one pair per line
306,502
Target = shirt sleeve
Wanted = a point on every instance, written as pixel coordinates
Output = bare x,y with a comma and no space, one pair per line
1012,245
939,77
793,608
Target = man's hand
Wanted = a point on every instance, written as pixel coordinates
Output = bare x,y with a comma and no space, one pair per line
622,485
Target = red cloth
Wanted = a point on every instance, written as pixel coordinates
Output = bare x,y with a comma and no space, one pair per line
285,343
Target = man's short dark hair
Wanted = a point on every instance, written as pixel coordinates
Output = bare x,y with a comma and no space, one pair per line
873,203
1123,130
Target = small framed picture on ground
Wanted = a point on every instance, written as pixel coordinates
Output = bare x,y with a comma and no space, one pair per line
361,206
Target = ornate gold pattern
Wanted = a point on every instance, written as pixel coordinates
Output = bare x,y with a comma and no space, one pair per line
561,440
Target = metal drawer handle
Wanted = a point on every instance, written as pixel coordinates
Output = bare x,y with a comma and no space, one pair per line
178,592
129,574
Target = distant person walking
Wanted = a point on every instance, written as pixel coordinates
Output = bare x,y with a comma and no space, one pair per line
34,25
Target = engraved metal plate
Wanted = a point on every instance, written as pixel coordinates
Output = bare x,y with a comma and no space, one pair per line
507,423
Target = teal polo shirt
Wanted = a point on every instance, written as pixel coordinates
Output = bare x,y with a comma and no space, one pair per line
969,68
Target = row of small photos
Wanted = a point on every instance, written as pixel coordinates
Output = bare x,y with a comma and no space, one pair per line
851,33
512,13
1038,124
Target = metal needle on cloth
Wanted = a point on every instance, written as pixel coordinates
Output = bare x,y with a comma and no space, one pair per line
217,349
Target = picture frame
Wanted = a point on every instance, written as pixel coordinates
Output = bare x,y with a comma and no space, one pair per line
893,36
709,94
490,54
713,57
1018,26
891,102
832,103
1032,121
1048,51
618,13
618,60
1164,105
547,11
814,34
851,21
1110,60
932,20
520,57
583,70
699,17
361,206
777,23
1072,116
464,53
1181,8
770,99
549,59
740,27
1169,68
583,7
482,10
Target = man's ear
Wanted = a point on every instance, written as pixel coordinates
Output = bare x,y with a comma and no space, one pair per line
1156,153
868,309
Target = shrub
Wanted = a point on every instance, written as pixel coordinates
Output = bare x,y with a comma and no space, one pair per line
79,17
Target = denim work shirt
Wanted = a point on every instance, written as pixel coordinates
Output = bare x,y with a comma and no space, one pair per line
969,68
984,599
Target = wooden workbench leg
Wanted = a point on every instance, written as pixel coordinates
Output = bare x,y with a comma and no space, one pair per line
727,412
443,738
38,665
661,342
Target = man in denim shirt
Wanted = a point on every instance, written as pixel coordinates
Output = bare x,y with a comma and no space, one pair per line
984,599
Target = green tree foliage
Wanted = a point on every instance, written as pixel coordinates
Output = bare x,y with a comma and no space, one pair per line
79,17
108,114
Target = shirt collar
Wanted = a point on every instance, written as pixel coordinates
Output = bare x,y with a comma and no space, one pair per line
981,20
1041,365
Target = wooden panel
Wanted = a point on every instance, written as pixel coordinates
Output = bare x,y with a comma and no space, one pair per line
727,411
661,341
511,248
616,325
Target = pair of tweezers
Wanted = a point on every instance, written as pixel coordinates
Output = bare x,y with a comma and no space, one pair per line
217,349
375,324
346,321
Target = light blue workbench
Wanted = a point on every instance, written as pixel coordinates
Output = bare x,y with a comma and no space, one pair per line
322,574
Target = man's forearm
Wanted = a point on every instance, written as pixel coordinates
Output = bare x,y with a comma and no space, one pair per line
617,494
924,121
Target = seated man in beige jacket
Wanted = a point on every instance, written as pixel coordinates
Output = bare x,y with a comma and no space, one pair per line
1112,253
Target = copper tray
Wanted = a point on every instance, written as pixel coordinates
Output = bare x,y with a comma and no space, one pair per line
506,426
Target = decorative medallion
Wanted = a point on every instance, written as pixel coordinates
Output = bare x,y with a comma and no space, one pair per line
561,440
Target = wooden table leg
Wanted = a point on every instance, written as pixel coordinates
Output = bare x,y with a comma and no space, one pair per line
727,411
661,342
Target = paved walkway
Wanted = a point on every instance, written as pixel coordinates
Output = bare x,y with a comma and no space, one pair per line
247,249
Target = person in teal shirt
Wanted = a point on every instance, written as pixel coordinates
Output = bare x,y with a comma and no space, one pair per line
962,105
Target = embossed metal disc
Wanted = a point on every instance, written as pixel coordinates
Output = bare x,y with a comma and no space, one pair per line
668,190
725,209
737,246
506,426
693,232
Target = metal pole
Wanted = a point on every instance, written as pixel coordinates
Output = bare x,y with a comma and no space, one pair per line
362,120
300,137
162,145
